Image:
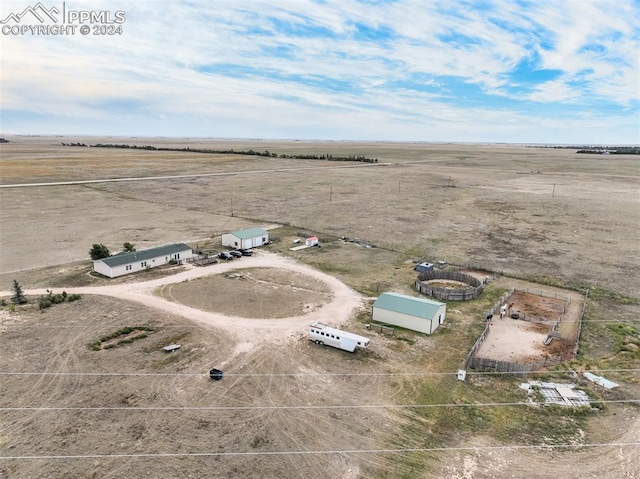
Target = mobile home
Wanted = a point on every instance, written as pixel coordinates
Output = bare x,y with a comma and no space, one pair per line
320,333
131,262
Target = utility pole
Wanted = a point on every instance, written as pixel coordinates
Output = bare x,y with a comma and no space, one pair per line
232,207
554,191
330,193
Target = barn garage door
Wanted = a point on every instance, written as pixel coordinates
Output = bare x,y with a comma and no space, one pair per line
248,243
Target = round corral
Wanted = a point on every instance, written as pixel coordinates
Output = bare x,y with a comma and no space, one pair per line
449,285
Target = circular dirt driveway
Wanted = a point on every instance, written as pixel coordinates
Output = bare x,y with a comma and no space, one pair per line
340,302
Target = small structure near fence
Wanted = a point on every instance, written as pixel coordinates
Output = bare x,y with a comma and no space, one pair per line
381,328
204,260
449,285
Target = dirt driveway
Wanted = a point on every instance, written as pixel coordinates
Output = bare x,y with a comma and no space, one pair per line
343,299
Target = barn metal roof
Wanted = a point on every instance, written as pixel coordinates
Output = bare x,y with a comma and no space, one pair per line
401,303
249,233
144,255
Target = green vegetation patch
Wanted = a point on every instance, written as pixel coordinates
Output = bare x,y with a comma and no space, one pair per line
126,335
50,299
454,410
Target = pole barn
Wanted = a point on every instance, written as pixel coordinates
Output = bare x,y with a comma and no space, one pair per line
245,239
409,312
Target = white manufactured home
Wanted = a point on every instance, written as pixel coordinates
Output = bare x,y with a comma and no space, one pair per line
320,333
409,312
245,239
125,263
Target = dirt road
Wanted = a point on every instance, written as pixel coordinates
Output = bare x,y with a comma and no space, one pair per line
343,299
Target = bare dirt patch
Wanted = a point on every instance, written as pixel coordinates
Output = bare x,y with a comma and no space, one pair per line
532,307
522,340
252,293
439,283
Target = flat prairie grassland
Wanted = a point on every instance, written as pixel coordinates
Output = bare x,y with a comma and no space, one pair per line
538,213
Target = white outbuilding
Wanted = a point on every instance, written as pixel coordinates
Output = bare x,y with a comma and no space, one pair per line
245,239
312,241
125,263
417,314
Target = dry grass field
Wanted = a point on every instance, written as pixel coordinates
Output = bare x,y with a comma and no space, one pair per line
290,408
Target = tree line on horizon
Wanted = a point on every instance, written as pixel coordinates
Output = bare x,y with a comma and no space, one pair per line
266,153
597,149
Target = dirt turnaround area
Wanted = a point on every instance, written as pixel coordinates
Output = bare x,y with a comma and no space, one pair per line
286,407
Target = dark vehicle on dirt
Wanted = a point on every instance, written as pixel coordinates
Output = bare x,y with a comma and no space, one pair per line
235,254
246,252
226,256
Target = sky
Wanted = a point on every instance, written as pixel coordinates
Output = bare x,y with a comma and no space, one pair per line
539,71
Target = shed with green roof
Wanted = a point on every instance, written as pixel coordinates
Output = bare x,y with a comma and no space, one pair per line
409,312
245,239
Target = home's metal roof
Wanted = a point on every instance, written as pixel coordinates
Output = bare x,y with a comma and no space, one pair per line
401,303
144,255
249,233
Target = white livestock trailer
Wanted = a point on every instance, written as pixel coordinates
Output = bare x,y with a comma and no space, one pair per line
320,333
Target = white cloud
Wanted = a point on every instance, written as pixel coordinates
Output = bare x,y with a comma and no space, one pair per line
165,65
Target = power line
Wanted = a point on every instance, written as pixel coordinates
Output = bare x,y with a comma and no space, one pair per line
419,373
245,408
321,452
188,326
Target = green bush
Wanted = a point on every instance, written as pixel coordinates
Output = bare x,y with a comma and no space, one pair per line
44,303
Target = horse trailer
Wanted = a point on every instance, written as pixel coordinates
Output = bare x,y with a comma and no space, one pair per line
322,334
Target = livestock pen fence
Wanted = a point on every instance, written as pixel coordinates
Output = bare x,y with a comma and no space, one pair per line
584,306
486,364
472,291
540,292
519,369
487,316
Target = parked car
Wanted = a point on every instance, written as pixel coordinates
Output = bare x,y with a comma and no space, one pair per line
246,252
235,254
225,255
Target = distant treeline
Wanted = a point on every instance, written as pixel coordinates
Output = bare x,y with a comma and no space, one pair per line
598,150
267,153
623,150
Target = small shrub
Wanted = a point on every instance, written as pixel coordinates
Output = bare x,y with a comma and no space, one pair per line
73,297
3,302
44,303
